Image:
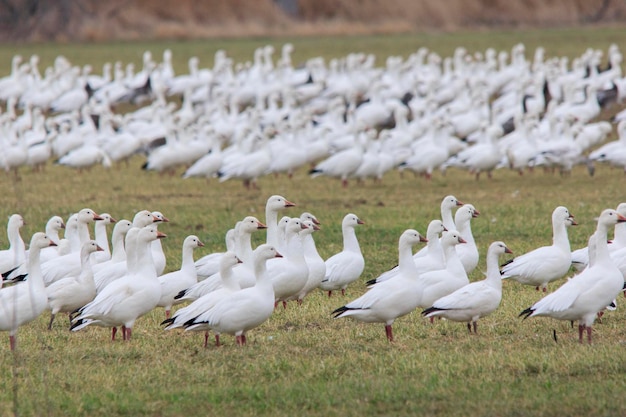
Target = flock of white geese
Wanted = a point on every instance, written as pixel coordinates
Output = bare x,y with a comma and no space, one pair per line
347,118
231,292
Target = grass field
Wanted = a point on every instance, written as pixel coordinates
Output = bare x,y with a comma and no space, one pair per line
302,362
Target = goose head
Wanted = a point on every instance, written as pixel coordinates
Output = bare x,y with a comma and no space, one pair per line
351,220
193,241
144,218
451,238
562,214
411,237
277,202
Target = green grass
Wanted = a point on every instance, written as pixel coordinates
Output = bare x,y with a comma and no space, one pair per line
301,361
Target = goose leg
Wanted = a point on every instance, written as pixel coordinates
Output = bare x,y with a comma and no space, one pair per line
389,332
51,320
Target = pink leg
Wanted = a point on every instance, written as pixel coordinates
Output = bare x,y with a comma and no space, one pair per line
589,334
206,338
113,333
128,332
284,304
217,340
167,314
389,332
469,327
239,340
475,327
243,339
343,291
581,328
330,293
12,342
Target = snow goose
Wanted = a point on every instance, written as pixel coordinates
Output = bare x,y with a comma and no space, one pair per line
315,263
157,249
436,284
70,293
123,301
586,294
111,272
69,265
244,273
389,299
228,260
273,205
118,253
341,164
289,274
468,253
345,267
547,263
209,264
240,311
24,302
173,282
101,236
432,260
476,299
448,203
53,226
14,256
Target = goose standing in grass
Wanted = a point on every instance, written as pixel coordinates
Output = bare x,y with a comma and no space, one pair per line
436,284
126,299
432,260
315,263
244,273
229,284
345,267
388,300
173,282
24,302
476,299
14,256
547,263
468,253
289,274
69,265
71,293
274,204
582,297
240,311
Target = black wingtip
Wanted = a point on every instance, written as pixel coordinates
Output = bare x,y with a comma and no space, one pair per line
167,322
338,311
526,313
371,282
180,295
76,324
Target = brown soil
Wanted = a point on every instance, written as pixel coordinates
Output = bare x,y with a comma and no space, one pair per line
85,20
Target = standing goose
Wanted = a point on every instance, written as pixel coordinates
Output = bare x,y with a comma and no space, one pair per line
274,204
448,203
468,253
69,264
345,267
583,296
118,253
70,293
244,273
24,302
436,284
242,310
126,299
173,282
547,263
388,300
476,299
14,256
229,285
432,260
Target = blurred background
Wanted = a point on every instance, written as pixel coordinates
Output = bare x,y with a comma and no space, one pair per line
97,20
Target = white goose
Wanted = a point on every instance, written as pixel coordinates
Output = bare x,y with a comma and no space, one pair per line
71,293
242,310
393,298
69,265
448,203
118,253
586,294
547,263
345,267
101,236
228,260
157,249
210,264
468,253
53,226
23,303
123,301
433,259
244,273
436,284
174,282
14,256
476,299
315,263
289,274
273,205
